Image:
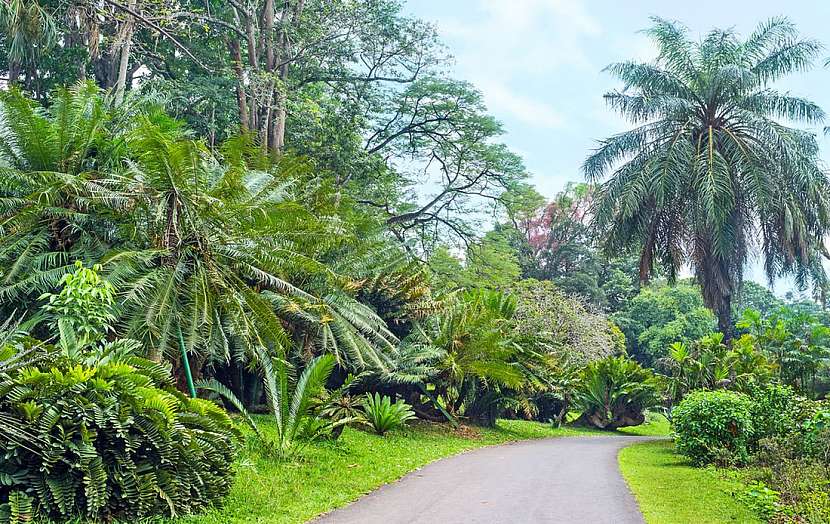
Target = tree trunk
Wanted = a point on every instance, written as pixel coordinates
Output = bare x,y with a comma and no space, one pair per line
236,57
124,62
14,72
724,314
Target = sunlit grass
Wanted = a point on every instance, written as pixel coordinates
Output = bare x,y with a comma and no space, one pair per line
671,491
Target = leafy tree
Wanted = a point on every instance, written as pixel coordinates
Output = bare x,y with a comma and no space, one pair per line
710,170
756,297
489,263
661,315
555,242
440,129
559,325
357,87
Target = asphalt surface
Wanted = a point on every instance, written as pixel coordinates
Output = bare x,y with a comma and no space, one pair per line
573,480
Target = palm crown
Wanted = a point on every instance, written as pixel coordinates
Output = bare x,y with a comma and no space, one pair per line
712,172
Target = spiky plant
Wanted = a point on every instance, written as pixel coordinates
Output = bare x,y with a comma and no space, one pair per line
53,207
15,355
712,171
614,392
383,416
215,252
291,402
470,352
110,439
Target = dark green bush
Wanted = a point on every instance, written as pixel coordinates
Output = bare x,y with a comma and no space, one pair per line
775,410
109,439
714,427
814,437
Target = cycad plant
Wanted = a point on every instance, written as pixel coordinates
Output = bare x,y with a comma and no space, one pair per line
109,440
382,415
54,207
17,352
614,392
712,170
291,402
213,254
470,352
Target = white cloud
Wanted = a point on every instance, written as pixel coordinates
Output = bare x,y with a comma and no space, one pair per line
523,108
510,49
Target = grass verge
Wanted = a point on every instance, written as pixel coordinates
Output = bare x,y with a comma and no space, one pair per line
332,474
671,491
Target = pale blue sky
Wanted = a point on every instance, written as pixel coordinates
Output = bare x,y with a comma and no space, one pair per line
539,63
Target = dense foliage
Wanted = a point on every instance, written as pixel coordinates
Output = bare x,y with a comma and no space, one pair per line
660,315
293,208
614,392
110,437
714,427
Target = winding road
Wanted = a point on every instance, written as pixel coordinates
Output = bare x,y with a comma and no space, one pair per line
573,480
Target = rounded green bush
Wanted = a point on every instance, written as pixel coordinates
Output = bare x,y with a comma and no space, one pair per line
714,427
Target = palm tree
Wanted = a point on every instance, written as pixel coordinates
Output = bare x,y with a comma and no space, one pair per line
29,30
712,173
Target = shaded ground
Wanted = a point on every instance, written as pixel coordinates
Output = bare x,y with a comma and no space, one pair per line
561,480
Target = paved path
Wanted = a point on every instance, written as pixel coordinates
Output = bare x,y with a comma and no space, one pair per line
573,480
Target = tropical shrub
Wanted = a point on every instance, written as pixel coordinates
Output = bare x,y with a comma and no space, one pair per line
470,353
82,312
712,363
815,435
714,427
797,342
382,415
775,411
340,408
110,438
614,392
291,403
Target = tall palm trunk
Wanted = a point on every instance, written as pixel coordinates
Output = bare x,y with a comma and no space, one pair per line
724,314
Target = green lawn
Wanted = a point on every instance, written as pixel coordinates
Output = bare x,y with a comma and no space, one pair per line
670,491
333,474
